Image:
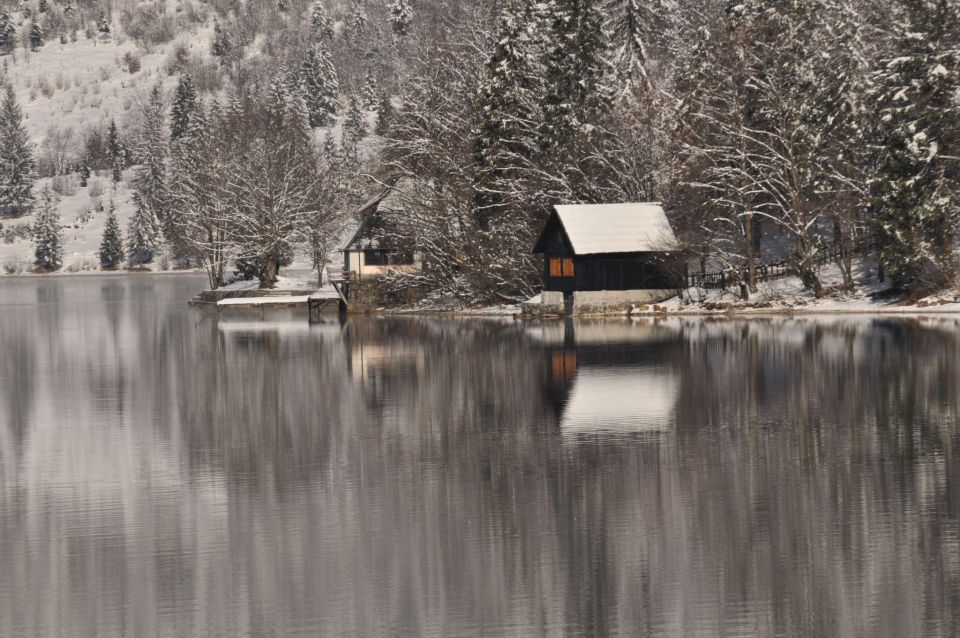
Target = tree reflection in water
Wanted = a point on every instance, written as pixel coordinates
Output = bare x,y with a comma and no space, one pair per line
165,474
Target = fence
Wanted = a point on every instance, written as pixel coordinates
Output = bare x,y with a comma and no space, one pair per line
780,269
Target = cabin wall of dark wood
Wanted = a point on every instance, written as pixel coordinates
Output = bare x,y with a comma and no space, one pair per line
634,271
556,284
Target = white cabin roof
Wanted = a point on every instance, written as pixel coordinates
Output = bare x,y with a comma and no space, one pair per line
617,228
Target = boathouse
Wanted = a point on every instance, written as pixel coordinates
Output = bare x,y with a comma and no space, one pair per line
379,242
604,257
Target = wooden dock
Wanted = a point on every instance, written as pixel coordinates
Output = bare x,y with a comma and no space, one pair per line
324,300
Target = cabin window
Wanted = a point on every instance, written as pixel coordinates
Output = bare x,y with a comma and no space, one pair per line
561,267
555,268
380,257
375,257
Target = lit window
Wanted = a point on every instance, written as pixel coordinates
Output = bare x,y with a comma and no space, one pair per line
555,268
568,268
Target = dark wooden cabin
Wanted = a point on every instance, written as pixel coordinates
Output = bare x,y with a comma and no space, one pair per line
610,247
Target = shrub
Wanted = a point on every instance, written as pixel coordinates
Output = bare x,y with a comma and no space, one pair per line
131,62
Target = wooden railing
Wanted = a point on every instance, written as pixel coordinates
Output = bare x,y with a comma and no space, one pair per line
780,269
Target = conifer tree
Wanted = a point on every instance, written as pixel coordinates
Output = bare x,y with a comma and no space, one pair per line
183,108
17,168
321,23
329,148
384,115
103,24
357,19
631,23
221,44
48,236
111,245
369,95
511,103
575,71
321,88
36,36
42,6
115,151
401,13
150,181
914,191
355,126
8,31
84,175
143,229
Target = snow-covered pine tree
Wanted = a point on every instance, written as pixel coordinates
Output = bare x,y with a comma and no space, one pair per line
84,175
143,228
17,167
321,23
188,158
355,126
401,14
915,188
221,44
103,24
631,24
150,181
329,147
42,6
321,87
511,106
48,235
357,19
183,108
36,36
576,71
8,31
384,115
111,245
115,151
369,96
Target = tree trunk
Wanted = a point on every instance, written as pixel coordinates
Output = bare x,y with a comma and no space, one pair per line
268,271
751,283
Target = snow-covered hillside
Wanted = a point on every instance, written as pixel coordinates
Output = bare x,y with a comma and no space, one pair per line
83,213
63,90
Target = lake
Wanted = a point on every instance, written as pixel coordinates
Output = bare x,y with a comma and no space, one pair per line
166,474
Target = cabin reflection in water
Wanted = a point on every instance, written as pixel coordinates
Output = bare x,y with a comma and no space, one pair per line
610,378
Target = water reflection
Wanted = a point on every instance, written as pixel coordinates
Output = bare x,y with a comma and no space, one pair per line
611,377
165,474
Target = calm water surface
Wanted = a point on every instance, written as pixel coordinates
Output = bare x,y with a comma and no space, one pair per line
163,474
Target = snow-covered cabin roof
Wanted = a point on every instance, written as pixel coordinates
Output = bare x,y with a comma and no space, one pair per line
616,228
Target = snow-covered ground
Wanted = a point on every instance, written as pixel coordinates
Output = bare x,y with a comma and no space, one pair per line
71,87
788,295
85,83
83,214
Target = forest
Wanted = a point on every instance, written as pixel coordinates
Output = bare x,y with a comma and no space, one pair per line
771,130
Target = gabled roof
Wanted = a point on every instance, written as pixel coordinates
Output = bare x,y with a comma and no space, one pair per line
399,195
593,229
363,215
